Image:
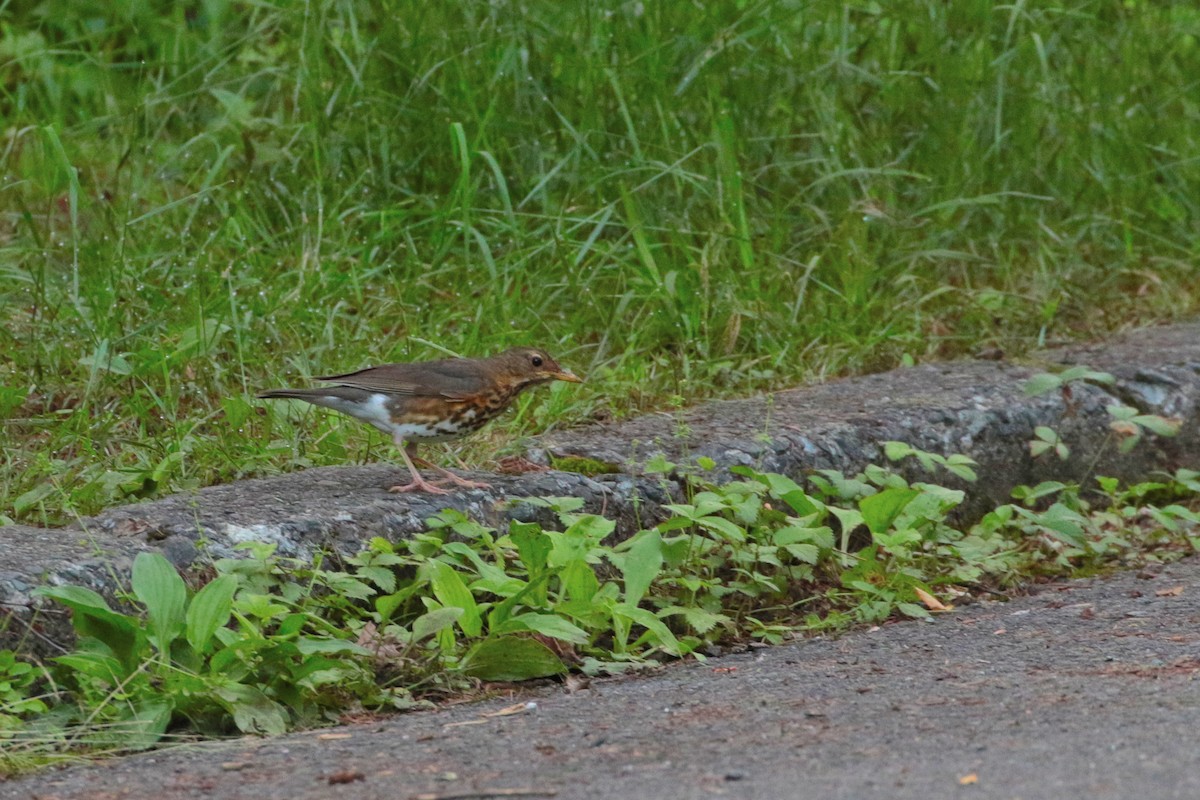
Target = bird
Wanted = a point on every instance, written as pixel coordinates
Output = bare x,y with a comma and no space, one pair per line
433,401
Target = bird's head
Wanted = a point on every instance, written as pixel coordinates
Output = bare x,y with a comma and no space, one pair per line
529,366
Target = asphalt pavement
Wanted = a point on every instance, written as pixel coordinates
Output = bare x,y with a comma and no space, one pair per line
1086,689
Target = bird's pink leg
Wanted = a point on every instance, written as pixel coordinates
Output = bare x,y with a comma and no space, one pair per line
418,484
450,476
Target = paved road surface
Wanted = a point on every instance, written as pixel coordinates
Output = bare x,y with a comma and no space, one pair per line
1086,690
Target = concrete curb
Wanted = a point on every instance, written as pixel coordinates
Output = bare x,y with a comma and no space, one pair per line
970,407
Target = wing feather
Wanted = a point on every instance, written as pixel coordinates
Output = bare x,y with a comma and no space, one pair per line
451,378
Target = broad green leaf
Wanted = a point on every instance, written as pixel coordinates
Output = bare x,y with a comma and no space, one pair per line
209,610
894,451
1059,520
1081,372
502,611
381,576
579,580
1042,383
913,610
122,634
147,724
962,466
849,518
349,586
804,553
881,509
162,592
307,645
641,564
533,545
820,536
698,619
511,658
550,625
96,665
31,498
431,622
253,711
730,531
801,503
1162,426
386,605
449,589
591,528
76,597
654,626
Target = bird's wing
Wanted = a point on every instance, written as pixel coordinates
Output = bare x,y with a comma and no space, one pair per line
451,378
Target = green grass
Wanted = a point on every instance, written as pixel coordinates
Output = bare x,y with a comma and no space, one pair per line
674,199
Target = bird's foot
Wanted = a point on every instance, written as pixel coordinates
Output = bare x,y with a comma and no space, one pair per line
418,484
463,482
449,477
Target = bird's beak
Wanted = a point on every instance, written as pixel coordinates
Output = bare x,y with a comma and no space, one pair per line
568,376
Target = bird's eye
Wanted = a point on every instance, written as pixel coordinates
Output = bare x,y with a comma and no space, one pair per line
537,361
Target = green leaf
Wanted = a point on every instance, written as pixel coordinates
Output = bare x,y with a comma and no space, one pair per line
641,564
894,451
209,610
820,536
511,658
431,622
698,619
801,503
1081,372
1042,383
579,581
95,665
849,518
122,634
387,604
727,530
162,591
147,724
658,632
31,498
307,645
881,509
253,711
381,576
550,625
1119,411
78,598
449,589
804,553
913,610
533,545
1162,426
1061,521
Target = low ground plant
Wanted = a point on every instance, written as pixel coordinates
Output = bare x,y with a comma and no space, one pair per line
268,643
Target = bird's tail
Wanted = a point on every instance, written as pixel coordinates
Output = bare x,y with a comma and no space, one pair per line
291,394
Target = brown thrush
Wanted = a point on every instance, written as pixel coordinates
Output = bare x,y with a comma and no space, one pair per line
433,401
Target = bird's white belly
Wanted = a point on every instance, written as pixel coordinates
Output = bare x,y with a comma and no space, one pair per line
375,412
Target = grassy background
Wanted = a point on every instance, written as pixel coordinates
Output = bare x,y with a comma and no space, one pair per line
680,200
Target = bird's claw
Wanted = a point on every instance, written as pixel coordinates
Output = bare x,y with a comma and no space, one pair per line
418,485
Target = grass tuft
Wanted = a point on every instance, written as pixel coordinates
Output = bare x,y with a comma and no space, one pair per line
201,201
